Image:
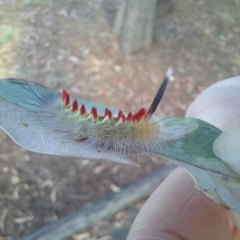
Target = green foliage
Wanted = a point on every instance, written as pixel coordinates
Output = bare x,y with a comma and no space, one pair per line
7,34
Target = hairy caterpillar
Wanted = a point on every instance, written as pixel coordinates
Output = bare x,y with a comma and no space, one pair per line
48,121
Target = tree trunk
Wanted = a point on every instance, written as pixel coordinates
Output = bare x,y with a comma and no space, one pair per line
134,24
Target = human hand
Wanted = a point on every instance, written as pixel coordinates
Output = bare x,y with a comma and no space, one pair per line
176,209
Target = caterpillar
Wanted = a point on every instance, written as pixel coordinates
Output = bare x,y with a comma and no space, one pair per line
53,122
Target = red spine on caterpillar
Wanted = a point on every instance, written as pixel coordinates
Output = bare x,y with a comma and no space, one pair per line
129,116
94,112
74,105
139,114
109,114
65,98
82,110
106,112
120,115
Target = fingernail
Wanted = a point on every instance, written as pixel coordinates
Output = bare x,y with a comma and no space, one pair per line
227,147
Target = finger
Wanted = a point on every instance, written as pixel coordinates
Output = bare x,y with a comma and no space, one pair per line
218,104
177,210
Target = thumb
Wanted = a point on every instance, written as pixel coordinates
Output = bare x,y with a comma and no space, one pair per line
219,104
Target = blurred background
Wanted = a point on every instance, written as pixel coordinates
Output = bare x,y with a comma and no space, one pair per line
73,43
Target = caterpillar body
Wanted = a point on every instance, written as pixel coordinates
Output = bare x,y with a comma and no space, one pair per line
48,121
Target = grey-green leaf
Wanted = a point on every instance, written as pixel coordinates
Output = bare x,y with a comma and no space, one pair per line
194,152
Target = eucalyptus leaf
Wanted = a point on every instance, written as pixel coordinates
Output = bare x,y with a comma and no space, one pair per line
195,153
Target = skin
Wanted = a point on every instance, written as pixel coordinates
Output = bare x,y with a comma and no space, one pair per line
177,210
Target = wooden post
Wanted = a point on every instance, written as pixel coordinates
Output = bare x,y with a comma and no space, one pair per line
134,24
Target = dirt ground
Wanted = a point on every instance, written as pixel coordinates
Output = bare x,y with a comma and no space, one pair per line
69,42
